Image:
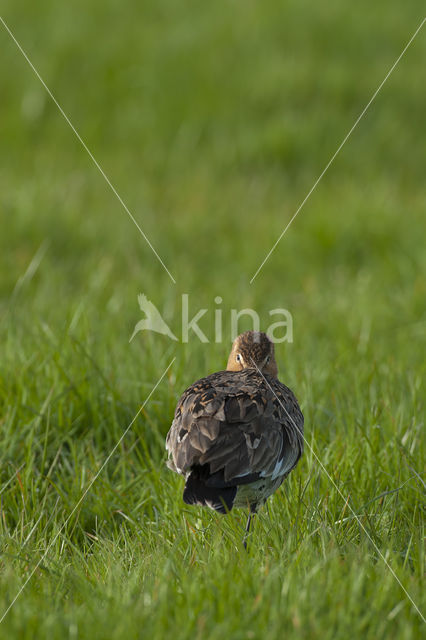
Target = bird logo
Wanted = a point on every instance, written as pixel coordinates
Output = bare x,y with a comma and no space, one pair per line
153,320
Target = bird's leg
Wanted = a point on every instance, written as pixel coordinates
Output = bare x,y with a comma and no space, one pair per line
249,519
247,531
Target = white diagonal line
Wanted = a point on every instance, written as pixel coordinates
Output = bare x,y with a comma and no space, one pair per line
6,484
330,162
84,145
343,497
84,494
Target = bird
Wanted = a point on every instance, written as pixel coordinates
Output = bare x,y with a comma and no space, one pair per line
153,320
237,433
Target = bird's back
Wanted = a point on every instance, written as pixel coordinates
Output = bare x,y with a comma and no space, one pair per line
235,436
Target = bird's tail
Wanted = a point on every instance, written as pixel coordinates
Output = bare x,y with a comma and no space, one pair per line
197,492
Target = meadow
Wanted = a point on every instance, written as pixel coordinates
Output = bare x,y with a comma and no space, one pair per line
212,121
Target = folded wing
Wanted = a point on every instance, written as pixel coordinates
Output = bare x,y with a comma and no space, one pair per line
234,428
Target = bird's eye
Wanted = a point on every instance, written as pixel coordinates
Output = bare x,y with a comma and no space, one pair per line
238,357
267,359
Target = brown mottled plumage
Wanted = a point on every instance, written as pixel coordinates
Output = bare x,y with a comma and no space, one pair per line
238,433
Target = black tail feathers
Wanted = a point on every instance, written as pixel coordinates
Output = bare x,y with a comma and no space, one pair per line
196,491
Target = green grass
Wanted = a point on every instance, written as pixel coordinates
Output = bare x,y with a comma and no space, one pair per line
213,120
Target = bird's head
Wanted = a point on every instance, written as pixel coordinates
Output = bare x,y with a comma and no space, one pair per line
253,350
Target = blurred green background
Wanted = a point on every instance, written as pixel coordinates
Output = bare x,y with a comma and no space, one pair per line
212,121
